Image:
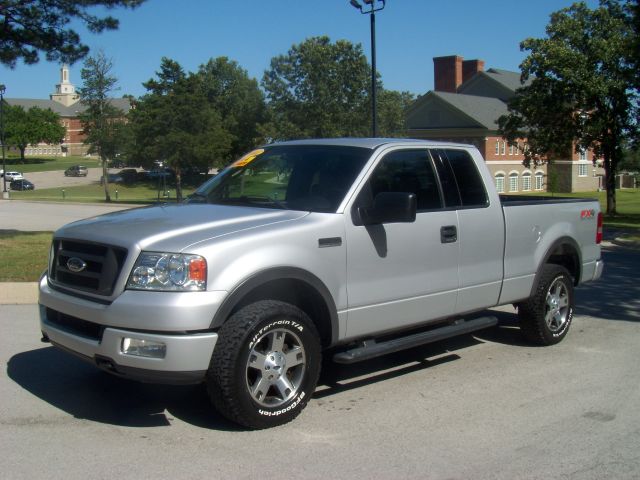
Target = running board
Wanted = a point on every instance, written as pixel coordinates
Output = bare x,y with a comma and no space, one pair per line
371,348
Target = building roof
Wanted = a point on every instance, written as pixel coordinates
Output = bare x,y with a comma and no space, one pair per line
509,79
71,111
484,110
439,110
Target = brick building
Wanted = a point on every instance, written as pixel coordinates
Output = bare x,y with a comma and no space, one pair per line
464,107
66,103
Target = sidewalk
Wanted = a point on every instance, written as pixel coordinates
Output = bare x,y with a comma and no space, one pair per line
18,293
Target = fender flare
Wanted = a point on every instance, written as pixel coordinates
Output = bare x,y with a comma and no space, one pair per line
558,243
279,273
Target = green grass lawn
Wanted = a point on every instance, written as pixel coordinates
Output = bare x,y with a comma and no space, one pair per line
24,256
46,164
627,202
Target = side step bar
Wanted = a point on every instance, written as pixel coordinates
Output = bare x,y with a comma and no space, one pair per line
371,348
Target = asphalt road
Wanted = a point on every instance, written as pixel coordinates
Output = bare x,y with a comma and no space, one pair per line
56,178
485,406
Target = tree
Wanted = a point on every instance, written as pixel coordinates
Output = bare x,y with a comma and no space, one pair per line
583,88
322,89
174,123
32,26
239,101
30,127
631,160
319,89
100,120
392,108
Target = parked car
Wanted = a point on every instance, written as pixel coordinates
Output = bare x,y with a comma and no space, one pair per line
11,176
76,171
117,164
364,242
129,175
160,172
23,184
112,178
126,175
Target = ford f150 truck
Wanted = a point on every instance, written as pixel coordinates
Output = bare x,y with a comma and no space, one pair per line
352,247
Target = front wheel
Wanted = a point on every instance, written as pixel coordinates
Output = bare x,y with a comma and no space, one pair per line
546,316
265,365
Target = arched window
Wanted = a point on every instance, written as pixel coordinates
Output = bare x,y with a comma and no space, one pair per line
539,180
526,182
500,182
513,182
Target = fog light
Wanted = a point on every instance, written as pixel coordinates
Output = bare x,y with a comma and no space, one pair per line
143,348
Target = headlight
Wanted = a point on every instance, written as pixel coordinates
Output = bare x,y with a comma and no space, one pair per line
168,271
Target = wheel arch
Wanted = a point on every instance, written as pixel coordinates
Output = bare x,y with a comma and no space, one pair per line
564,252
288,284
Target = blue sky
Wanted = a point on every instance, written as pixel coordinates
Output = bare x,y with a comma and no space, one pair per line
409,34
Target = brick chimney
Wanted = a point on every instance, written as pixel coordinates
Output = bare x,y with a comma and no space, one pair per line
470,68
447,73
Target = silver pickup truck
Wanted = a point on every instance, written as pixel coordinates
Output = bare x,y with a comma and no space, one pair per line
352,247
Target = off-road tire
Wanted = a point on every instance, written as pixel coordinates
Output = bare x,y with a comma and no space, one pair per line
546,316
265,365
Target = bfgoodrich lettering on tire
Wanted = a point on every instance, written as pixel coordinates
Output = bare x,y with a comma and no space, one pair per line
265,365
546,316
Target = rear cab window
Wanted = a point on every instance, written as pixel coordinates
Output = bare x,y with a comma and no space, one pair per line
461,182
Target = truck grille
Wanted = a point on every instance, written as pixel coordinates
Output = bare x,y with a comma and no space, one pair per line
88,267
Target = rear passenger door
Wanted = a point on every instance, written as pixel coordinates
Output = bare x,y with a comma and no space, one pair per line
401,274
480,229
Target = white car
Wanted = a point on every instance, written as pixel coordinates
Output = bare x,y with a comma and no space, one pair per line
11,176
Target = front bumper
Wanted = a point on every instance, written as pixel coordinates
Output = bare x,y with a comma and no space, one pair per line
188,348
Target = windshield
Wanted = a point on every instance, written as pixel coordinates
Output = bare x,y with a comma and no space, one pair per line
295,177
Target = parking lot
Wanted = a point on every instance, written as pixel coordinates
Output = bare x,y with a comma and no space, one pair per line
56,178
481,406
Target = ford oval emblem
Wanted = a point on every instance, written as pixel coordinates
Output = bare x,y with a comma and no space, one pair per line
76,264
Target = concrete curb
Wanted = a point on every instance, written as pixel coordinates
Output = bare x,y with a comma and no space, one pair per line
18,293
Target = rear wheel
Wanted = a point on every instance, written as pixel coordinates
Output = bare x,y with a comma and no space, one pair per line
545,318
265,365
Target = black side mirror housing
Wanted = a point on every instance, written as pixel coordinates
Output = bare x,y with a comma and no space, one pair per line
390,207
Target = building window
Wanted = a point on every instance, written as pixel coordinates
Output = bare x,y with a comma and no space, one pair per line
539,180
513,182
497,148
517,149
510,149
582,169
504,148
526,182
582,154
500,182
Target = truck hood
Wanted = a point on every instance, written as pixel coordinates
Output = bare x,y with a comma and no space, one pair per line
172,227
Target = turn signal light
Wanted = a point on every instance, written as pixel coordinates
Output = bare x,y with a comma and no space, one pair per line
599,231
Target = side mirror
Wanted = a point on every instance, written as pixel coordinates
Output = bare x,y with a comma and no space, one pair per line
390,207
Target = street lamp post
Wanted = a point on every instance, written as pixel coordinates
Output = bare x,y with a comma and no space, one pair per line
5,194
372,15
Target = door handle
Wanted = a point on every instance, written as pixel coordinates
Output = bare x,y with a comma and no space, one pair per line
448,234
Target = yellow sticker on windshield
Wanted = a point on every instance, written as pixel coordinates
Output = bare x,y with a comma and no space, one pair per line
248,158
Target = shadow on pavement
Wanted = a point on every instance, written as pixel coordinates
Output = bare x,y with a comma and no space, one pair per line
616,296
336,378
87,393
